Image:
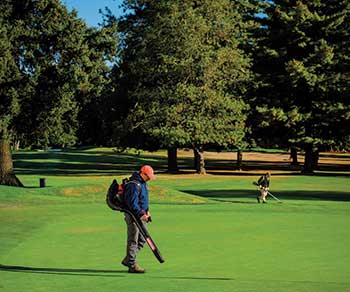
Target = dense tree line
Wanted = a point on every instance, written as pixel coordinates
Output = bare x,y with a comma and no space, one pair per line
53,69
188,74
221,74
302,63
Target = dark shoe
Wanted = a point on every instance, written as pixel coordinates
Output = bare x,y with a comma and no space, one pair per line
125,262
264,202
136,269
258,199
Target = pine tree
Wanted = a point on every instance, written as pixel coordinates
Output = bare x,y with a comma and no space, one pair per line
186,72
304,75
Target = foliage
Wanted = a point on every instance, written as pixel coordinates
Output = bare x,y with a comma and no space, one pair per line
184,71
303,65
9,75
182,77
58,65
94,94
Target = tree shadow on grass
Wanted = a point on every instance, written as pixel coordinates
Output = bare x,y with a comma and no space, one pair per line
63,271
226,167
241,196
74,162
80,163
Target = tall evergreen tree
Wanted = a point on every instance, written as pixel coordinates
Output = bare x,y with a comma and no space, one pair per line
304,72
186,72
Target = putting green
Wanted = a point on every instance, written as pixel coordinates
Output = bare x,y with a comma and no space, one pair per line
295,246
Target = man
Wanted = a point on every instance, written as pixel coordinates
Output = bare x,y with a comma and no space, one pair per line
136,200
264,183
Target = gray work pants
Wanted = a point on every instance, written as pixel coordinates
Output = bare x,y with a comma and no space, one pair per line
135,240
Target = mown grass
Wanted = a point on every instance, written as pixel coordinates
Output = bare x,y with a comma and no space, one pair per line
210,230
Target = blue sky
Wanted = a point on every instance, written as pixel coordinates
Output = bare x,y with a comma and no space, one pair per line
88,9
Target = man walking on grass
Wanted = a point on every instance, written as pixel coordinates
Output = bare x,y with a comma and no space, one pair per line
264,184
136,199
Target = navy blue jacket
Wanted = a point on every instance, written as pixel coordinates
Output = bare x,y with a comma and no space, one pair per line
136,195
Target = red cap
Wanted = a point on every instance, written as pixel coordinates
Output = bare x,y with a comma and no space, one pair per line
148,170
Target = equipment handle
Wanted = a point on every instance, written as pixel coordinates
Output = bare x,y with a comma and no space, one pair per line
146,235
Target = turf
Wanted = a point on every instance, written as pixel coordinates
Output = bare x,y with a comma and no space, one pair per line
210,230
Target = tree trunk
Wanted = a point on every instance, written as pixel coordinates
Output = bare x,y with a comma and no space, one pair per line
239,159
199,160
294,156
7,175
315,157
195,158
308,160
172,160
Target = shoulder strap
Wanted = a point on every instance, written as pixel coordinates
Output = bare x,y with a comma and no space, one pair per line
136,183
138,187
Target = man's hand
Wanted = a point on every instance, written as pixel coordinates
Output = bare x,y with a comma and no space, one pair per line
145,217
149,217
